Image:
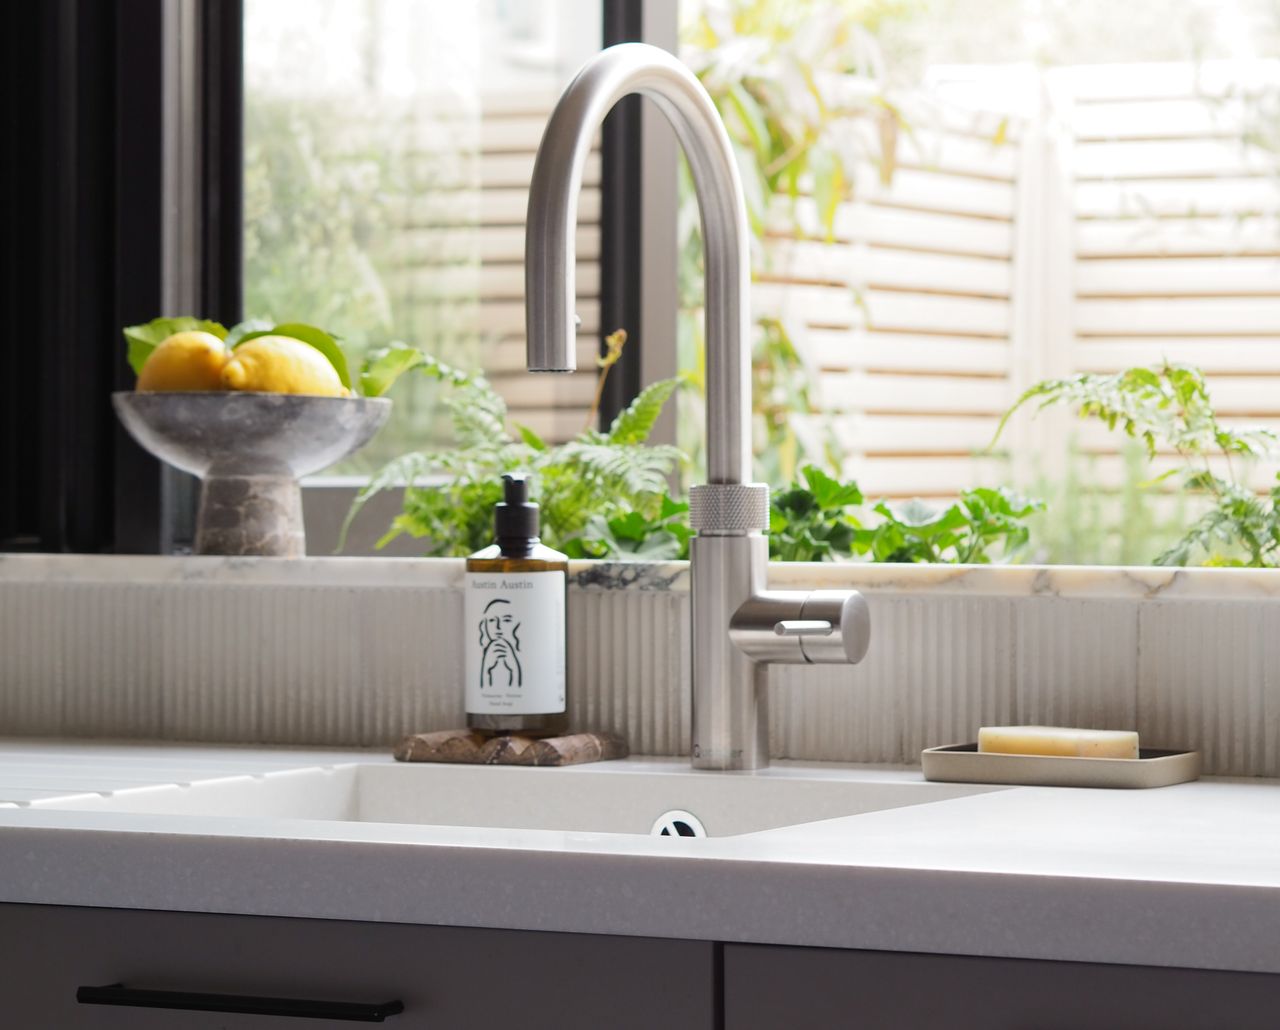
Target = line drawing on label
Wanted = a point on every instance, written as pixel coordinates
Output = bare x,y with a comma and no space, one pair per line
500,646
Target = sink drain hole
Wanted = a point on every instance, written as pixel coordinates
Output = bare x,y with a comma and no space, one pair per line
678,823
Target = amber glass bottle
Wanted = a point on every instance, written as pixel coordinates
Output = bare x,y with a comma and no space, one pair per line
515,625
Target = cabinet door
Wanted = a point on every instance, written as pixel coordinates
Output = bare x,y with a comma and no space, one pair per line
778,988
446,977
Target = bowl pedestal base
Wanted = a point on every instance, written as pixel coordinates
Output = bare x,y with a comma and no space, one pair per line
259,515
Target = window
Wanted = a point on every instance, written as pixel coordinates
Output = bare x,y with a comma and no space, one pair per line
999,192
388,151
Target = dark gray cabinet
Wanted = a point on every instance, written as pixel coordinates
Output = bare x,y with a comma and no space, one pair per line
772,988
454,977
446,977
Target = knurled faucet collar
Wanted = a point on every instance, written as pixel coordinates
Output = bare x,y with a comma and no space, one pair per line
729,509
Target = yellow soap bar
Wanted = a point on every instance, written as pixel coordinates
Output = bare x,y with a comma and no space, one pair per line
1059,741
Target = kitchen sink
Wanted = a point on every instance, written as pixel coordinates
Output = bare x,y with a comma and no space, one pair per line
639,796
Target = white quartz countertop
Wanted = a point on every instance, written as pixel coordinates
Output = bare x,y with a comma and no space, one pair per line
1183,876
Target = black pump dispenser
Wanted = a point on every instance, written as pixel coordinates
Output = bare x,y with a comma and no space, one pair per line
515,517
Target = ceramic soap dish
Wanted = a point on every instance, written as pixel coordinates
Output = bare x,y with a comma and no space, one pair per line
964,763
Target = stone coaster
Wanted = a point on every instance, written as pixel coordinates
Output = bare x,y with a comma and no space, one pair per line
472,748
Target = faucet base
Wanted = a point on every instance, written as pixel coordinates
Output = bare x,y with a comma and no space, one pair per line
730,699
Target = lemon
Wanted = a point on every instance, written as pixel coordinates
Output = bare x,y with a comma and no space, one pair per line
281,364
190,360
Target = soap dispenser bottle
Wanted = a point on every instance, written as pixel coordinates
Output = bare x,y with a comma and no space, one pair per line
515,624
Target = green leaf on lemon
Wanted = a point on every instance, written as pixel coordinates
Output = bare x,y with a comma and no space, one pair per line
325,343
242,329
143,339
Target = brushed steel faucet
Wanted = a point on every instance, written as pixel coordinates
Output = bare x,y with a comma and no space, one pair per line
739,625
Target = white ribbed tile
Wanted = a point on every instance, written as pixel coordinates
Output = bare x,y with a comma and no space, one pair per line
409,671
1076,662
629,666
31,660
1210,680
110,668
342,653
934,672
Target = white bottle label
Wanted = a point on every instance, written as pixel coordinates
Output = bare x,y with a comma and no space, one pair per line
515,643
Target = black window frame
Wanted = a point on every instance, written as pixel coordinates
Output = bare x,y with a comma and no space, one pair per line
119,207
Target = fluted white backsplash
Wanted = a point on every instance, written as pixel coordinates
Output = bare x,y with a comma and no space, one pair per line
361,651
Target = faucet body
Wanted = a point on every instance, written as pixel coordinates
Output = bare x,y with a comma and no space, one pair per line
739,626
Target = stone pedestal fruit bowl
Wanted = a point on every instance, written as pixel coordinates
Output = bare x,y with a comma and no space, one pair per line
250,450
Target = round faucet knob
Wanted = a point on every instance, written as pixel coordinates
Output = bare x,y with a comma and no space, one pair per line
803,627
846,612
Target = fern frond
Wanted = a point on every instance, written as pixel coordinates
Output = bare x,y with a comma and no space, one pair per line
625,470
398,472
479,415
634,425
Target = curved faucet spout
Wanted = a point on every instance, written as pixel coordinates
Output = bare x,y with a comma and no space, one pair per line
550,232
738,625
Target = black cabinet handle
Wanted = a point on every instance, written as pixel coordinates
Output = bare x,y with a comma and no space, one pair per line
352,1011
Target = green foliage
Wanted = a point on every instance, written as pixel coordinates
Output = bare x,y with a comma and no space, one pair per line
143,339
982,523
1168,409
636,536
602,493
813,521
810,522
636,422
1082,525
384,365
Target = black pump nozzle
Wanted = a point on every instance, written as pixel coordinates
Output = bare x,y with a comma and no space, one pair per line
515,517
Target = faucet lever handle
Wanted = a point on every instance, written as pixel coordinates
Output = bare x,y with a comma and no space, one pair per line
804,628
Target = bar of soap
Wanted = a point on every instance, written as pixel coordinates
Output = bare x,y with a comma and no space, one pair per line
1059,741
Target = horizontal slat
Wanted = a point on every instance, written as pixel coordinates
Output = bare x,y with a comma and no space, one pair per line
1173,317
913,434
900,352
953,110
1182,236
888,227
499,170
1179,198
901,477
930,146
521,132
1175,80
1170,159
555,425
1100,354
918,189
1164,277
840,307
470,243
492,207
886,268
506,243
487,281
506,317
891,394
965,155
1110,471
1190,118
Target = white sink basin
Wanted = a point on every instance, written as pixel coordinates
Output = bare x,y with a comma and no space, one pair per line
634,797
